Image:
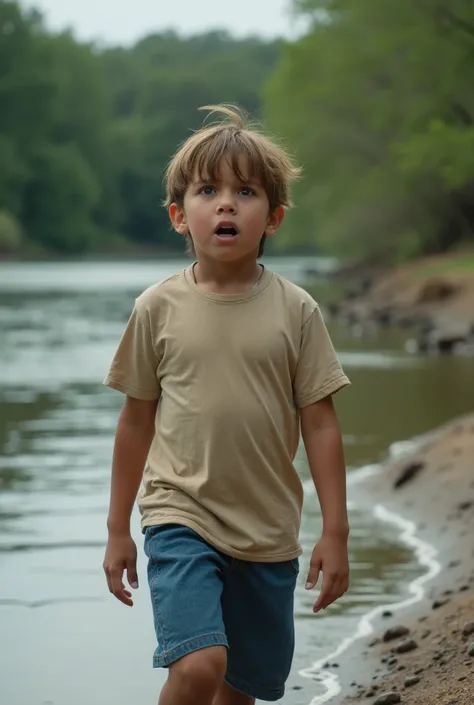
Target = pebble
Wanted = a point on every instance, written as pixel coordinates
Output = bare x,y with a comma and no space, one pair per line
386,614
468,629
395,633
439,603
470,649
389,699
411,680
405,646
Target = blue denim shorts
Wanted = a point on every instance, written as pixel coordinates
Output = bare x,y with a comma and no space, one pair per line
202,597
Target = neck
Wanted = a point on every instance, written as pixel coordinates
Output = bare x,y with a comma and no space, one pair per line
227,276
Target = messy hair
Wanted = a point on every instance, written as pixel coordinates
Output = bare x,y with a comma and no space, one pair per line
231,137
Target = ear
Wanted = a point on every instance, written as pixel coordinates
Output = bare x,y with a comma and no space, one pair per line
178,219
274,220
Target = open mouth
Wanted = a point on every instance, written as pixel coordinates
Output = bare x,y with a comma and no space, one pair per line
226,232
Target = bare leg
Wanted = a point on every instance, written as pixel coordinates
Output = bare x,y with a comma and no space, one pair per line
228,696
195,679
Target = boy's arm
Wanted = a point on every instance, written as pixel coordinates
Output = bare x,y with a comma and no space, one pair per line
323,443
135,431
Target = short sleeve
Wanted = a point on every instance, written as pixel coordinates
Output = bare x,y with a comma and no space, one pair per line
318,372
134,368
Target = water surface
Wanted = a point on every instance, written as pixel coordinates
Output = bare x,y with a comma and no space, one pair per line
68,642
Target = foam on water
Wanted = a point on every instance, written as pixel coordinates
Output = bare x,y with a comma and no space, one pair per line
426,555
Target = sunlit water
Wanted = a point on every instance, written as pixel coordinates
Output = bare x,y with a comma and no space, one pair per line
65,640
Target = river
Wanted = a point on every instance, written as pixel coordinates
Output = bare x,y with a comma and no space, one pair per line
66,641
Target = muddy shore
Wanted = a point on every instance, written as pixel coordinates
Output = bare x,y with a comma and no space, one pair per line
424,655
431,298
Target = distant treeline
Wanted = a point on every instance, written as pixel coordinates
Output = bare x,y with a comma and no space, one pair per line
378,101
85,133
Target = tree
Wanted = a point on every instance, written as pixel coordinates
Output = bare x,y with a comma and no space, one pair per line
85,134
376,100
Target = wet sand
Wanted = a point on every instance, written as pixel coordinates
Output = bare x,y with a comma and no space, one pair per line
429,656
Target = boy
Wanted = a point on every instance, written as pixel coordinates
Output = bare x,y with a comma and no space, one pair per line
221,365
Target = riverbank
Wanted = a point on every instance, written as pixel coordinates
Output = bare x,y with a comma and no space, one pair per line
432,298
425,654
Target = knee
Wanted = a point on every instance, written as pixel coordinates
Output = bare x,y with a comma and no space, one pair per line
202,672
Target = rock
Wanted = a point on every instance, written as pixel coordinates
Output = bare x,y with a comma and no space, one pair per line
447,339
388,699
440,603
395,633
404,647
386,614
470,649
408,473
384,316
468,629
436,289
454,564
411,680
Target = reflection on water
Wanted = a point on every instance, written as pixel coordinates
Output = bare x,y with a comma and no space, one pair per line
59,325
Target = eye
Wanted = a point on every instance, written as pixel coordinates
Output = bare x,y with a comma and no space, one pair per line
207,190
247,191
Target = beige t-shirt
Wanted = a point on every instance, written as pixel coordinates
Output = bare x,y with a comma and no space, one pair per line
231,373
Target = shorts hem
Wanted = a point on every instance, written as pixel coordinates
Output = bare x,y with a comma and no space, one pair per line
162,520
166,658
254,691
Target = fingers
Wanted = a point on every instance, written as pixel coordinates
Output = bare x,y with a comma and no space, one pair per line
132,576
116,586
324,599
334,586
313,575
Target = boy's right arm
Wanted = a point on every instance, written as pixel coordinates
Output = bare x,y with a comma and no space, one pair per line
135,431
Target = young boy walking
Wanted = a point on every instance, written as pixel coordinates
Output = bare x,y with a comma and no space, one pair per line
222,365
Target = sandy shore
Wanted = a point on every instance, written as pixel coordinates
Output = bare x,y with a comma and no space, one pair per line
428,659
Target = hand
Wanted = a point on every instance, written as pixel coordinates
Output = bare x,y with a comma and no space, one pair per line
120,555
329,557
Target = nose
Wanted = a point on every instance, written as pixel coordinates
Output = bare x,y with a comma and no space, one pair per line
226,203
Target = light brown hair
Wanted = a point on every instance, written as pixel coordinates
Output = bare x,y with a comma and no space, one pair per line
231,138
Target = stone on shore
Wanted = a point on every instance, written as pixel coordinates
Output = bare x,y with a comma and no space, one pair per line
404,647
468,629
389,699
395,633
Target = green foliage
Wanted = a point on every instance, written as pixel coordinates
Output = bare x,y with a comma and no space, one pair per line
376,99
10,233
85,134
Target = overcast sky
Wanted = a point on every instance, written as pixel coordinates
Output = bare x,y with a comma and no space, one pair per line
119,21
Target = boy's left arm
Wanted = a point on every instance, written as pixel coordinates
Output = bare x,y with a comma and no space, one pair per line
323,443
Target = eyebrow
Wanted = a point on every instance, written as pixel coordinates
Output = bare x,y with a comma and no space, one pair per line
250,182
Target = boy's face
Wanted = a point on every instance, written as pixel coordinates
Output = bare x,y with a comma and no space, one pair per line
228,218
